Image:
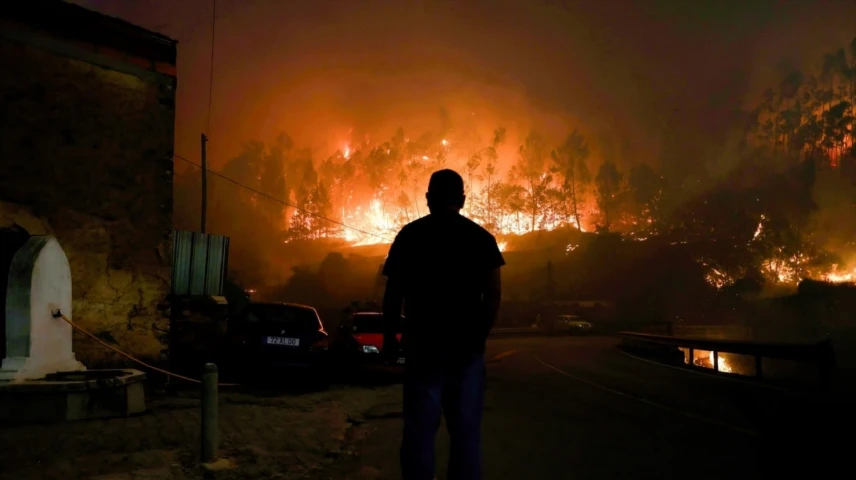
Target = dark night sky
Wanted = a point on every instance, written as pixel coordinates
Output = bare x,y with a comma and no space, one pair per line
646,80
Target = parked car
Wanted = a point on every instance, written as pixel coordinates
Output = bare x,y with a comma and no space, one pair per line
359,340
572,324
275,335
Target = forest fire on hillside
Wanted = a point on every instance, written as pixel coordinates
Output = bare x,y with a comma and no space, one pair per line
531,194
754,223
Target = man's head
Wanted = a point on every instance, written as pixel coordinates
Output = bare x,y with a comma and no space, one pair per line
445,191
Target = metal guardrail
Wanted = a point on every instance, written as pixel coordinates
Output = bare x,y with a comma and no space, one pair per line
717,332
820,354
516,331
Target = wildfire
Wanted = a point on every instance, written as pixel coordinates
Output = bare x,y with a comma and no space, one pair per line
834,276
785,271
375,225
718,278
708,360
721,363
759,229
781,269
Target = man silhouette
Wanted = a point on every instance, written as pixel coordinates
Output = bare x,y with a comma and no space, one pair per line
444,269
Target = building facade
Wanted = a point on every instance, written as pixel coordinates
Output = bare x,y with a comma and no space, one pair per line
86,154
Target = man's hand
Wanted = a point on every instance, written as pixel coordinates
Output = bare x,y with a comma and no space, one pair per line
492,299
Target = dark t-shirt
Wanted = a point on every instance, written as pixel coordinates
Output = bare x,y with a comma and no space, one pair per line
443,264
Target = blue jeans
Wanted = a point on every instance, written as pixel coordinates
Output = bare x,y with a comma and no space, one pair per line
453,386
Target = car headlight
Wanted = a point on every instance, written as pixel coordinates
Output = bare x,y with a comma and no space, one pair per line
370,349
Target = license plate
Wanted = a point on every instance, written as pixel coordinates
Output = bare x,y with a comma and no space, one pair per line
288,342
400,361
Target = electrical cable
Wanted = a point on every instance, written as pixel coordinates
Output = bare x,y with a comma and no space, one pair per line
283,202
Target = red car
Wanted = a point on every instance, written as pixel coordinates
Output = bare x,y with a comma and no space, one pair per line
360,339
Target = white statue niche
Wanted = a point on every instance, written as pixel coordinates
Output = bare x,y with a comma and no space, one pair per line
37,343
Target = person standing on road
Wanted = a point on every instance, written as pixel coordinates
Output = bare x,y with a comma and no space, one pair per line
444,269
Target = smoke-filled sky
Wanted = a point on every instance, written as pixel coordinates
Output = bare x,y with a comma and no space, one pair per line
647,80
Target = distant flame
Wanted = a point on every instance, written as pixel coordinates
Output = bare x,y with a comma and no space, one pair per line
707,360
760,228
835,276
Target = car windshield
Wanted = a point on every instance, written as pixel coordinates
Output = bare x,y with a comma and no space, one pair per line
301,317
371,323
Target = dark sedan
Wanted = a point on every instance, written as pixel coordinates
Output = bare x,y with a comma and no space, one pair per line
279,336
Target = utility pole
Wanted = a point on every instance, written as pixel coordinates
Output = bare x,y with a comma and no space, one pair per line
550,287
204,182
204,139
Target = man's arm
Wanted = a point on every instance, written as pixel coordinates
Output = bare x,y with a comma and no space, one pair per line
492,292
393,295
493,297
393,299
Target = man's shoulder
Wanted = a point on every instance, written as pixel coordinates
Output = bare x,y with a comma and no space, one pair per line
410,232
410,228
477,230
417,228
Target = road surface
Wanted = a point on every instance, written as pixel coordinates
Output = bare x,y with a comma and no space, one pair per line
571,407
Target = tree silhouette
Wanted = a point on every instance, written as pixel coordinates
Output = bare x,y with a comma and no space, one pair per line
812,116
530,169
608,182
490,157
646,188
570,159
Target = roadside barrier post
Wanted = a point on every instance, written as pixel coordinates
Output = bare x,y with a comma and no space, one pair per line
210,413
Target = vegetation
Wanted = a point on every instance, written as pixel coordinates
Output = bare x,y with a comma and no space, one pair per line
762,223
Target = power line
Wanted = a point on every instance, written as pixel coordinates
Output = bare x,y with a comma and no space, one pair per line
211,70
283,202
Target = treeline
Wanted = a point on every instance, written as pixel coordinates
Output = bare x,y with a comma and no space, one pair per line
379,188
811,114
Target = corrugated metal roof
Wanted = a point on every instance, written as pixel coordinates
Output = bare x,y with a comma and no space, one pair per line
200,263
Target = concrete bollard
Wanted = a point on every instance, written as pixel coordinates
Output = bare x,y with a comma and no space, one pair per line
210,413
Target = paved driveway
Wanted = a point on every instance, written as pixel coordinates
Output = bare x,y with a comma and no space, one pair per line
577,408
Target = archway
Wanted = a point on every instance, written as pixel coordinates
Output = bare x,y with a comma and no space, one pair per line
11,240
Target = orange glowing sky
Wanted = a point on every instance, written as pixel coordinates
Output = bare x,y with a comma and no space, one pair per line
647,81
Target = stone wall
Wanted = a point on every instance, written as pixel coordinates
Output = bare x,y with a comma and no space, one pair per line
86,154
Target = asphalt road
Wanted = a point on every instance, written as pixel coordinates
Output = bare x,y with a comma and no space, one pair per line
563,408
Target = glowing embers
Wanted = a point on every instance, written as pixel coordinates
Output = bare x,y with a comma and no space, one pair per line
721,362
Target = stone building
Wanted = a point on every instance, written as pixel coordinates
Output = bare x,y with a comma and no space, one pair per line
87,117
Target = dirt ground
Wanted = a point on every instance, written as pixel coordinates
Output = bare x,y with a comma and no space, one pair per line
264,434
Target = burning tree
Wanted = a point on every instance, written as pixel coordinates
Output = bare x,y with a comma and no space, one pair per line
811,116
608,182
530,171
570,163
756,221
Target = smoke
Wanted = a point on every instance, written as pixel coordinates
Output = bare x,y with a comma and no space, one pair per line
651,82
834,221
666,83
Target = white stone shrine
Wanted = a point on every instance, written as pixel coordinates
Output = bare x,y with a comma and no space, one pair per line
37,343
